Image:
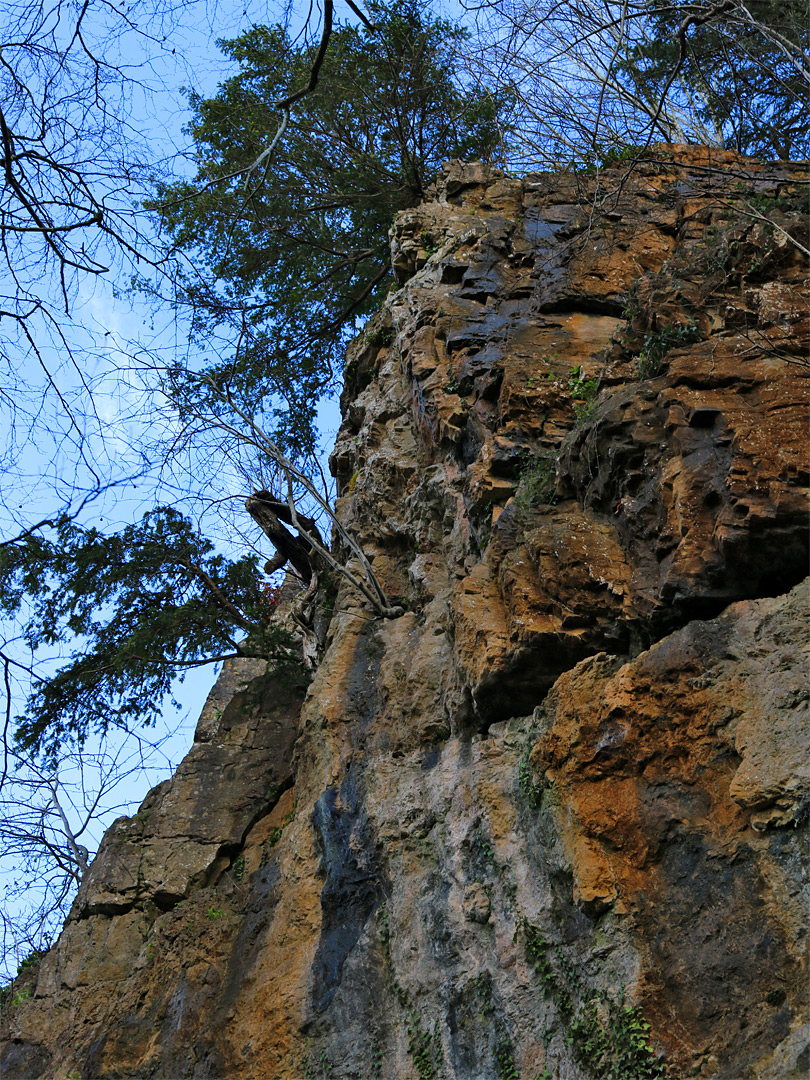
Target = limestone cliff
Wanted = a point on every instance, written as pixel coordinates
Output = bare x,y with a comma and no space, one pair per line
550,822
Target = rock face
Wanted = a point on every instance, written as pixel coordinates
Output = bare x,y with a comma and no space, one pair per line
551,821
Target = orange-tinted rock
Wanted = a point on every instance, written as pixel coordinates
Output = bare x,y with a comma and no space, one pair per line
669,773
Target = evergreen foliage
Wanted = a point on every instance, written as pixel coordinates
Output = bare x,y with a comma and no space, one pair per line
137,608
742,71
285,257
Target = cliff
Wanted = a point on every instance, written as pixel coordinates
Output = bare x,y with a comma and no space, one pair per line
551,821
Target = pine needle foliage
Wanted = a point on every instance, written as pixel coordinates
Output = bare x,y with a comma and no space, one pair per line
742,70
133,610
285,258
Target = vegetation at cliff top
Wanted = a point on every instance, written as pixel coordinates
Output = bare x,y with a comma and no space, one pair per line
742,77
282,255
601,81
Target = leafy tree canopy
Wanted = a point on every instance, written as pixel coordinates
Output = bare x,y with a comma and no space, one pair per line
742,69
136,607
285,256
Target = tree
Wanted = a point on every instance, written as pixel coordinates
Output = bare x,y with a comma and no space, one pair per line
72,167
283,252
597,76
742,69
137,607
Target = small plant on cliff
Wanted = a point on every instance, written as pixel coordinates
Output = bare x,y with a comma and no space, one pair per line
424,1047
276,832
8,995
381,337
428,243
531,790
20,997
658,343
612,1041
483,989
584,393
505,1060
421,1049
558,980
320,1068
33,959
536,482
384,930
376,1056
608,1037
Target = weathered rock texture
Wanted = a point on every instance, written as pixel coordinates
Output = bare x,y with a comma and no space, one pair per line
565,794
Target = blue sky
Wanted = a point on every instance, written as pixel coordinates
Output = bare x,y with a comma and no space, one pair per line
107,325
